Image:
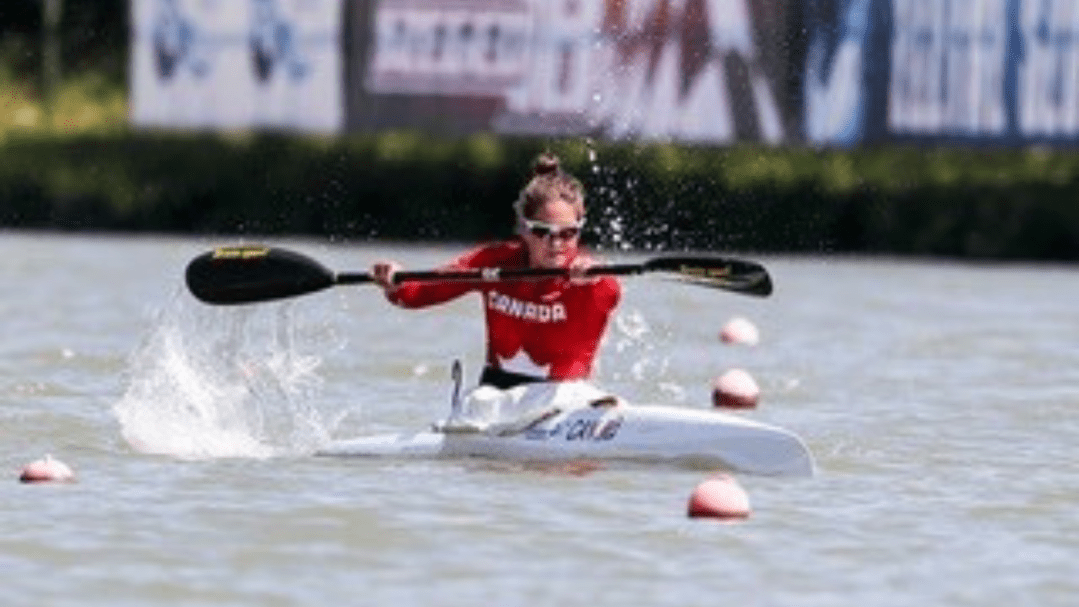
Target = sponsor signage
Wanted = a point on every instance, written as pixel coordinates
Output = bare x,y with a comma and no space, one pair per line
237,64
650,69
977,71
827,72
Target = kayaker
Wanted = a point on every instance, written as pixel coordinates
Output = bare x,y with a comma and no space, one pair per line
537,330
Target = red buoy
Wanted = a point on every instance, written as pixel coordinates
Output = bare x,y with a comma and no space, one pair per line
735,389
740,331
47,470
719,497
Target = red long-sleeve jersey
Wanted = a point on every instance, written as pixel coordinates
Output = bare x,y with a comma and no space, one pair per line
548,328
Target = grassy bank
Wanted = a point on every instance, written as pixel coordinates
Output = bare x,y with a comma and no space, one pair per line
85,104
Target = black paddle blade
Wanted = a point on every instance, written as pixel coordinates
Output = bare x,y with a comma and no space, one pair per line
736,275
249,274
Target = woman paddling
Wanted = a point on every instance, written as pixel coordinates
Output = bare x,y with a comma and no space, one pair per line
537,330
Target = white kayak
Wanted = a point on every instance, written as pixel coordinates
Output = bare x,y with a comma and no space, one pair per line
606,429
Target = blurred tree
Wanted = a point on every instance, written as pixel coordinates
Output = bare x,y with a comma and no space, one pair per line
94,35
19,15
51,13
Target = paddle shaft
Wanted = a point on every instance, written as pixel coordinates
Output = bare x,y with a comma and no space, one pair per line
487,275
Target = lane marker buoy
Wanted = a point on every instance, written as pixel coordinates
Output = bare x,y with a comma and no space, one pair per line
735,389
740,331
719,497
47,470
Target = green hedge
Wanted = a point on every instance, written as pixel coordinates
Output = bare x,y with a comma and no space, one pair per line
1017,204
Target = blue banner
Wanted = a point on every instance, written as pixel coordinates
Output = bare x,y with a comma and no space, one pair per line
977,71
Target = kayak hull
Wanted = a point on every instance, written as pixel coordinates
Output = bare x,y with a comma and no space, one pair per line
642,433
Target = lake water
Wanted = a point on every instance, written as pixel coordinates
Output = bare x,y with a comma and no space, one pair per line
938,398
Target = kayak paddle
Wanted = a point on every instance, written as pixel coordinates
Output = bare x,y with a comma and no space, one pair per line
250,273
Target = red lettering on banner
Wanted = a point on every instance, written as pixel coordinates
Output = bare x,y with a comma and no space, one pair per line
685,69
471,47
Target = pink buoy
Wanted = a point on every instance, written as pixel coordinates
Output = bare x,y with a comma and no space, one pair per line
47,470
719,497
735,389
739,331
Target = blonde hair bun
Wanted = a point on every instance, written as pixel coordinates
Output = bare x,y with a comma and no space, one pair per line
546,164
549,182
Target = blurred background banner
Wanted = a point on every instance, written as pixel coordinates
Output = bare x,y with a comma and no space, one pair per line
237,64
690,70
826,72
710,71
939,71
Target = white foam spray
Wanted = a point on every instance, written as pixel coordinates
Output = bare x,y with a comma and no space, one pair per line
212,382
637,353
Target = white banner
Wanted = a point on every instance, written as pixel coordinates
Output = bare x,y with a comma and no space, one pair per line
237,64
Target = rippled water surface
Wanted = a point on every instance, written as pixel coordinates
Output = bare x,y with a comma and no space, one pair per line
938,398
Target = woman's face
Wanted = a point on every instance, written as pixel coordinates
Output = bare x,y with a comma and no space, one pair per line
552,235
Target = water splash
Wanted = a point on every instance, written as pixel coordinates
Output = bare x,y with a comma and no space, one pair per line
614,207
605,203
213,382
637,353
